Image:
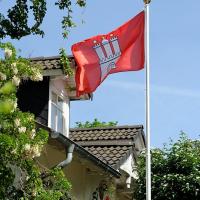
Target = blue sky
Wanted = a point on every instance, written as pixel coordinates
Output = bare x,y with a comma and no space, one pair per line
174,58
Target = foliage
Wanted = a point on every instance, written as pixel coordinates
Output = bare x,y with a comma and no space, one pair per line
64,61
95,123
175,171
16,24
20,141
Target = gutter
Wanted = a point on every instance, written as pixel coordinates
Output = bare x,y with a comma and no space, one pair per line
79,149
66,141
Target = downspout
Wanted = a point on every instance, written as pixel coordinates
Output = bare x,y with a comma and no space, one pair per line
69,156
69,151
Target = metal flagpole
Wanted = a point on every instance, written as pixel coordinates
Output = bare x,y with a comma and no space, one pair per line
147,66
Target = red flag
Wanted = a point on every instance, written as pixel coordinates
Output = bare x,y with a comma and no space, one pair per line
118,51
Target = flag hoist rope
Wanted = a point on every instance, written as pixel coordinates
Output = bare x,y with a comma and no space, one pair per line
147,66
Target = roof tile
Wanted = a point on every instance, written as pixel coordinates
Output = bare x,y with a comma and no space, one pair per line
108,133
109,153
49,62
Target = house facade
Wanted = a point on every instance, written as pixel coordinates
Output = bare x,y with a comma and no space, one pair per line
99,162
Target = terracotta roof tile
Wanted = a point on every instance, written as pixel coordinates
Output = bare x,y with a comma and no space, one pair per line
111,155
111,144
52,62
108,133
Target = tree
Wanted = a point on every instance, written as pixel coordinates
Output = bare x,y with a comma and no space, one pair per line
175,171
95,123
17,23
20,141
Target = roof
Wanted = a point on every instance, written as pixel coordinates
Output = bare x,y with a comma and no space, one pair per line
112,145
52,62
51,67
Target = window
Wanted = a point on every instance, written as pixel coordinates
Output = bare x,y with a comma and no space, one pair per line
57,114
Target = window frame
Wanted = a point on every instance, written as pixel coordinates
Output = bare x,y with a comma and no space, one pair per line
58,110
65,107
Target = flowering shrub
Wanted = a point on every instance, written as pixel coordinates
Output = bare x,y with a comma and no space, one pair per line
20,141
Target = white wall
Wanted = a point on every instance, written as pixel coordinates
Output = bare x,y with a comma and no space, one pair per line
84,182
84,176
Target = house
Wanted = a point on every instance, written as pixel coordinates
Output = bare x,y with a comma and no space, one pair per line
99,162
50,99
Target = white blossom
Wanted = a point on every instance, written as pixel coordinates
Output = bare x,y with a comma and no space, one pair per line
14,151
14,64
30,118
2,76
22,129
14,68
36,151
27,147
7,53
14,105
34,193
37,76
15,80
33,132
15,71
17,122
27,178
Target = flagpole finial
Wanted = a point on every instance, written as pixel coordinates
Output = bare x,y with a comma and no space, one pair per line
147,1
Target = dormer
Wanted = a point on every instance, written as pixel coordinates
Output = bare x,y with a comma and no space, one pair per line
50,99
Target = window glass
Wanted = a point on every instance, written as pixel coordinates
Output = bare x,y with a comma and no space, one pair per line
60,122
54,97
60,103
53,116
57,117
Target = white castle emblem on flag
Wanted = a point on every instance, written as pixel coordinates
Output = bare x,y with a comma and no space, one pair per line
108,56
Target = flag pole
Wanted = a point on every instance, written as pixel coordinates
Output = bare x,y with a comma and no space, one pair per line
147,67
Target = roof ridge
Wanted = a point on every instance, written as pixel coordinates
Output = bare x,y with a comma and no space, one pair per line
48,57
45,58
108,127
